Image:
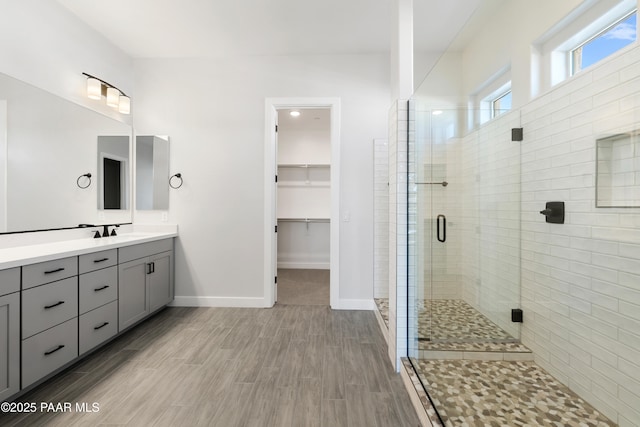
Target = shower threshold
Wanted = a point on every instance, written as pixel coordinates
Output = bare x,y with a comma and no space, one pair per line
487,393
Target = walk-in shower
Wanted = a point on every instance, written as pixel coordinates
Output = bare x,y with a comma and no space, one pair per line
521,235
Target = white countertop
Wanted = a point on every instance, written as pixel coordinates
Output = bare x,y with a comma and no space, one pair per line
34,253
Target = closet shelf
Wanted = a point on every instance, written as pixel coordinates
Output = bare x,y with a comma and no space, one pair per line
307,220
304,165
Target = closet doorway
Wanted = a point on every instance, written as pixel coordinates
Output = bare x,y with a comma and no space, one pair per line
303,206
301,258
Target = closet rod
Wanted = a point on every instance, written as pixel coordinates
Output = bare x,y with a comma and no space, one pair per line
307,220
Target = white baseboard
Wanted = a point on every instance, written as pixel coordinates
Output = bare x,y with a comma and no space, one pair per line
304,265
218,302
355,304
343,304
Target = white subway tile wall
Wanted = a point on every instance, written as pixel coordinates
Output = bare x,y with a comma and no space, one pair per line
381,218
581,280
398,226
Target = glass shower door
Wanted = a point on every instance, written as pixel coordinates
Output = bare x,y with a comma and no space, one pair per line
466,233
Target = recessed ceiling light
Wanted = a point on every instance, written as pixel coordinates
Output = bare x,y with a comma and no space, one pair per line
437,112
294,113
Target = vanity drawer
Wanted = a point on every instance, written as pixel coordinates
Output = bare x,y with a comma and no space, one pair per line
48,305
98,288
50,271
49,350
97,326
9,281
97,260
129,253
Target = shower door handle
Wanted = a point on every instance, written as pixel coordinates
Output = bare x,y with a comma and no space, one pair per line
441,231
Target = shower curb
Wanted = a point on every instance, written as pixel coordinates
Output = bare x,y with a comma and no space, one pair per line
421,403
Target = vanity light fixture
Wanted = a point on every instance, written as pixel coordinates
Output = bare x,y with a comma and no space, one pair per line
97,88
294,113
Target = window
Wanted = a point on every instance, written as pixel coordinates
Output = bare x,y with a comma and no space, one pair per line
491,99
501,104
588,34
602,44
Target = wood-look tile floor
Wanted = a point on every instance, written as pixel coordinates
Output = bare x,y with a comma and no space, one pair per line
285,366
303,286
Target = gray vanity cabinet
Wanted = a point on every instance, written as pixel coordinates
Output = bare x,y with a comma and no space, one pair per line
9,332
49,316
98,299
145,280
55,312
133,303
160,281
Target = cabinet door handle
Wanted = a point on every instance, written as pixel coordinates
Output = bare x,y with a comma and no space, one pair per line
441,237
54,271
101,326
149,271
153,267
46,307
60,347
102,288
100,260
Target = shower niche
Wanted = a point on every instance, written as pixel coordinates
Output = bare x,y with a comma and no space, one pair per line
618,171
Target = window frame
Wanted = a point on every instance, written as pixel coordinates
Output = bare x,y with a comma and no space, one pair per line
551,51
576,68
498,98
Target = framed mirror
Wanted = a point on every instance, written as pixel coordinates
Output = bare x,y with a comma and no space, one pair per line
152,172
51,144
618,171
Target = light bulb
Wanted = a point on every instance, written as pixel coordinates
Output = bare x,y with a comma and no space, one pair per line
124,105
94,88
113,97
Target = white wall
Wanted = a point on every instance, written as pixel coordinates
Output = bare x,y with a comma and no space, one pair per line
213,111
506,41
581,280
44,44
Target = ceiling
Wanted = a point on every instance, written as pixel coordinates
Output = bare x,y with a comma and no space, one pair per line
218,28
309,118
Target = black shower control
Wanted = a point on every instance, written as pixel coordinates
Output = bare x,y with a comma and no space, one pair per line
516,315
554,212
